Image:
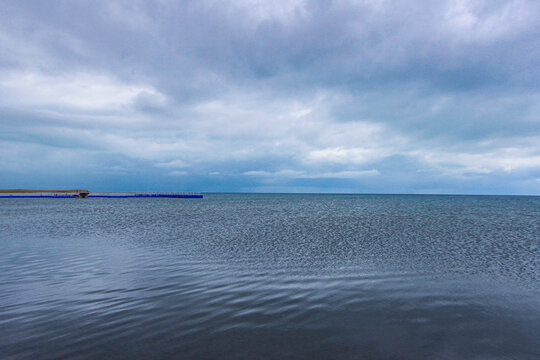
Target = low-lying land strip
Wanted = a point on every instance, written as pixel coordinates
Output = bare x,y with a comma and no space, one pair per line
25,191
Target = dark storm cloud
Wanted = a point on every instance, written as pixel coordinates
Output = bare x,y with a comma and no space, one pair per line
285,95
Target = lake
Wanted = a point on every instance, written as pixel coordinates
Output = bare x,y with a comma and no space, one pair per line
271,276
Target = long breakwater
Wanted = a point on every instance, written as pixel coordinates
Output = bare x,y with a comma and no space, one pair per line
186,195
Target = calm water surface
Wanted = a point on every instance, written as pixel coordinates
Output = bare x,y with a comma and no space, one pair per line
271,277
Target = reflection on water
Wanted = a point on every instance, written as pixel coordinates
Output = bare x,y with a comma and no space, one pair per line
271,276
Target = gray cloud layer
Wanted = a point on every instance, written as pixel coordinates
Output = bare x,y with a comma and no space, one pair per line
354,96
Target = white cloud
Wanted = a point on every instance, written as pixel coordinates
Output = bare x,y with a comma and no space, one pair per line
174,164
261,10
84,91
498,159
482,21
346,174
342,155
298,174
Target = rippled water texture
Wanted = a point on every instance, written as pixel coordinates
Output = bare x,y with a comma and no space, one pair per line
271,277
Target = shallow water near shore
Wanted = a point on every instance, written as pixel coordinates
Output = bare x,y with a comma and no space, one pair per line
276,276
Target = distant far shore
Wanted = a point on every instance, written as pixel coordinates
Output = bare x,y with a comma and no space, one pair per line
15,191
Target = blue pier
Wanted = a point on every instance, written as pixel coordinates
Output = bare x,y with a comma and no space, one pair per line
147,195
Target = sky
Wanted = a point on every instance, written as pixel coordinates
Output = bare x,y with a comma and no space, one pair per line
360,96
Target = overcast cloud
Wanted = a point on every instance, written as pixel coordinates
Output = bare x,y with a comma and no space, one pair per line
282,96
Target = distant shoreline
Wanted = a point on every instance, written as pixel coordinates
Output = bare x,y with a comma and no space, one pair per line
26,191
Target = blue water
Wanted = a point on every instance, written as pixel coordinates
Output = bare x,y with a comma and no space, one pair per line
271,277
